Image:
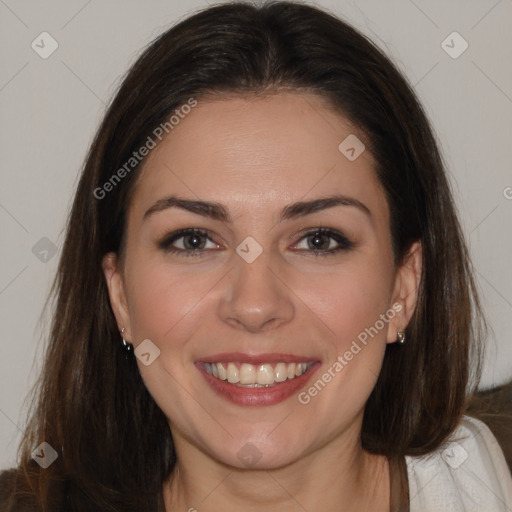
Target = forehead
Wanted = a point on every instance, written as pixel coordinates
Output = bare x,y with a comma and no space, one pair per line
257,153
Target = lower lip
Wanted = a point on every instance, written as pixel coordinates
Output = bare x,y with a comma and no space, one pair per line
257,396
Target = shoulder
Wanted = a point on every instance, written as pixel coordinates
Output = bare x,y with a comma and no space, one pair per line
467,473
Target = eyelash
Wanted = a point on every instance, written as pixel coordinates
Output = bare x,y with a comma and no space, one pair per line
165,244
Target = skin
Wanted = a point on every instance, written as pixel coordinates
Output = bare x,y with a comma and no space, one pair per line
255,156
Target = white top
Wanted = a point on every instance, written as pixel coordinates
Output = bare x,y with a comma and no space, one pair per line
467,474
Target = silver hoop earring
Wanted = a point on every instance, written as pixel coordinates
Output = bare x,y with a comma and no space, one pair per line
401,337
127,346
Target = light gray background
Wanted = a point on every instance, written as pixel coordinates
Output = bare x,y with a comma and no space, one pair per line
51,108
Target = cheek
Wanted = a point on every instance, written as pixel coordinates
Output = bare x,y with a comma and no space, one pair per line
169,307
350,305
163,301
170,304
349,302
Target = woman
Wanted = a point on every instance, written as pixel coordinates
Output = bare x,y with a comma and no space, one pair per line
264,299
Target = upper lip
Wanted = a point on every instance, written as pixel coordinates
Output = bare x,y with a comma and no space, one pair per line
256,358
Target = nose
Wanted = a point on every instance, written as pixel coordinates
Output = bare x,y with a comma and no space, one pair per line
255,297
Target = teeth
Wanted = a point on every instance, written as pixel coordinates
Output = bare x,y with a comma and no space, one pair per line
250,375
280,372
221,371
247,374
265,374
299,370
233,374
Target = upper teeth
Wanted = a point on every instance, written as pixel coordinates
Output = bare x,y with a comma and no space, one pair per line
253,375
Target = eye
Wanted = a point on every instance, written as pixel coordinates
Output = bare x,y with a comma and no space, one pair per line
188,242
196,242
324,242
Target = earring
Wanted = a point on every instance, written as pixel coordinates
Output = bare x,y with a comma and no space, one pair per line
127,346
401,337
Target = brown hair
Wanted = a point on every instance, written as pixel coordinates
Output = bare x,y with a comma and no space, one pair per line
114,443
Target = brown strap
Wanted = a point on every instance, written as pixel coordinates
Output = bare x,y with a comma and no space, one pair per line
399,491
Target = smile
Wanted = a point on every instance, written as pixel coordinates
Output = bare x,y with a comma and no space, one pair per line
262,375
256,380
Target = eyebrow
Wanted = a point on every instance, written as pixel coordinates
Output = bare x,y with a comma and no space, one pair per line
217,211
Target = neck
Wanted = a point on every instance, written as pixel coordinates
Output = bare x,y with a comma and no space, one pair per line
340,475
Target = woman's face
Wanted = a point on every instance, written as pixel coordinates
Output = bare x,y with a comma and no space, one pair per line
257,294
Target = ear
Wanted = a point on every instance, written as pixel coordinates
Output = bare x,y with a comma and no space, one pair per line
116,292
405,291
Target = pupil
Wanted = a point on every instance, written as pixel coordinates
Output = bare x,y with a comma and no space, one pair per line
194,241
316,241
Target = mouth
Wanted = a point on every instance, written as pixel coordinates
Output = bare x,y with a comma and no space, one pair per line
257,376
256,380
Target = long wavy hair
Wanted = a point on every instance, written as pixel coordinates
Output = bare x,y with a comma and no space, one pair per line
113,442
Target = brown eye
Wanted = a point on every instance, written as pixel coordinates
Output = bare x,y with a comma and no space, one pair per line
194,241
188,242
325,241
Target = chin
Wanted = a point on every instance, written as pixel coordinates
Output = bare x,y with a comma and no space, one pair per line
264,452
